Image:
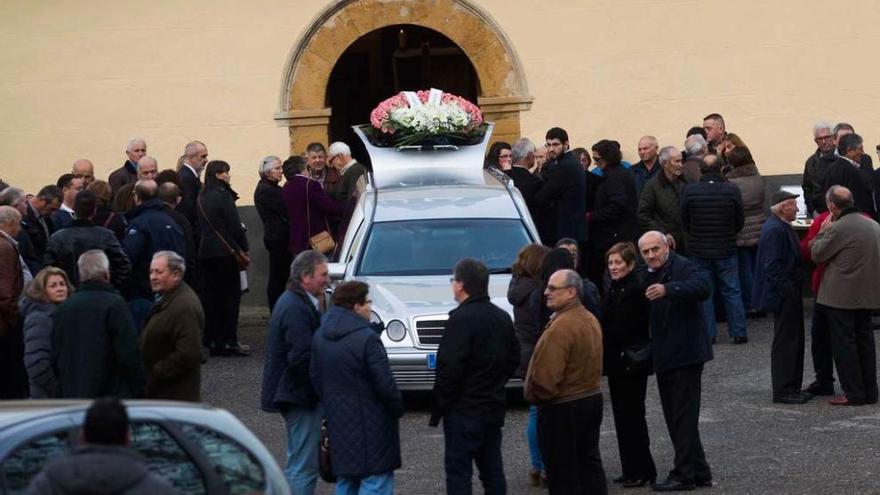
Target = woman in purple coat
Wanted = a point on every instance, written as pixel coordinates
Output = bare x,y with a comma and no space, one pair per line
308,208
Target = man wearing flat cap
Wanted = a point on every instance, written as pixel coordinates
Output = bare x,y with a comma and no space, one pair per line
777,288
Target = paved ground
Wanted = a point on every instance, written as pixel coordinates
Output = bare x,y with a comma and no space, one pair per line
753,445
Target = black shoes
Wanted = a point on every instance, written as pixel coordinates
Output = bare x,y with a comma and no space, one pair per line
230,350
754,313
740,340
637,483
817,388
671,485
795,398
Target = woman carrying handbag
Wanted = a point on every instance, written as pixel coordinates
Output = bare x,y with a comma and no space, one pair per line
308,209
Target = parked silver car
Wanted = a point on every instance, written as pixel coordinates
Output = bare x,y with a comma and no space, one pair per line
200,449
424,210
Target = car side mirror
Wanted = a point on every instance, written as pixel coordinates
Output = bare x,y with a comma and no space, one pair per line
336,270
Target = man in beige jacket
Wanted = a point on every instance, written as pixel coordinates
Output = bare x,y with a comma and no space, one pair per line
565,380
849,245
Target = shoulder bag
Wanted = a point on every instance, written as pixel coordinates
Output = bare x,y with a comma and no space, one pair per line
325,468
241,258
321,242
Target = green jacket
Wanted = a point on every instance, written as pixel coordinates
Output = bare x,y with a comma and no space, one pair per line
172,345
94,345
349,182
660,208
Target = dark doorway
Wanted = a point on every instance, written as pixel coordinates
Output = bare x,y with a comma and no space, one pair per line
384,62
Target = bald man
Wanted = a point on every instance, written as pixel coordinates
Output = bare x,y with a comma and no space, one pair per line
14,384
647,167
124,198
84,169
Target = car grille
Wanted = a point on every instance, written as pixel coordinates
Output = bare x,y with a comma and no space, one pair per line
407,377
429,331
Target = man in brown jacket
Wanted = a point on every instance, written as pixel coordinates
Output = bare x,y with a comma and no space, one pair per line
13,384
172,340
848,244
565,381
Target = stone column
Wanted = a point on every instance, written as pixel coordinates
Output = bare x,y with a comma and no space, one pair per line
504,112
305,126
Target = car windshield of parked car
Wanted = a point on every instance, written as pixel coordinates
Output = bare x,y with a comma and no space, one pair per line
432,247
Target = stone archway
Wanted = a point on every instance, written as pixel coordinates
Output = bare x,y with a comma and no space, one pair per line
302,102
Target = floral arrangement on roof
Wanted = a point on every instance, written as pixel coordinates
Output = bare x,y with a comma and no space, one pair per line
425,117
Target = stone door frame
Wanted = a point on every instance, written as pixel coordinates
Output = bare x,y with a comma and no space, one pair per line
302,101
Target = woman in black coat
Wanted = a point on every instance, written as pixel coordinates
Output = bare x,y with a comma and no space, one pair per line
351,375
625,320
222,255
273,214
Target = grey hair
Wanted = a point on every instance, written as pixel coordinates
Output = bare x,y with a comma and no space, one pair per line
176,263
133,141
839,196
843,125
521,149
666,153
93,265
822,124
192,148
11,196
654,233
147,157
8,214
339,148
304,264
267,164
572,279
695,144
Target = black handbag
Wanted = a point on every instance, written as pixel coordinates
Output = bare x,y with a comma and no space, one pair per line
638,357
325,468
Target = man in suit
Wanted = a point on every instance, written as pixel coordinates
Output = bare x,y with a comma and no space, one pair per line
777,288
70,186
37,222
563,194
847,171
195,157
127,173
847,244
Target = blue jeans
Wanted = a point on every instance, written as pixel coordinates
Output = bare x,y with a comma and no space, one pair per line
468,441
303,435
378,484
140,309
532,436
724,277
746,257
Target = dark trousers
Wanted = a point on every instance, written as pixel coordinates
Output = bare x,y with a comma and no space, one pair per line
820,346
680,391
279,271
469,440
634,444
787,350
852,341
220,299
569,438
13,376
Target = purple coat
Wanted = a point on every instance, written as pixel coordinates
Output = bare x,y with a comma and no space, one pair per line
321,206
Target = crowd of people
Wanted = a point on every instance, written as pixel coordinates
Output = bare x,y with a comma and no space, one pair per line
103,286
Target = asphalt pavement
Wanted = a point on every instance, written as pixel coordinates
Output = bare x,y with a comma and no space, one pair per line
752,444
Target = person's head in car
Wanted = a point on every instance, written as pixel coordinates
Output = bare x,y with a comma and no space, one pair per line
106,423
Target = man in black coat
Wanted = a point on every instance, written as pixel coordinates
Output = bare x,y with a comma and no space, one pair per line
680,346
478,354
847,171
66,245
563,195
196,156
712,214
522,161
169,194
816,167
127,173
37,222
613,218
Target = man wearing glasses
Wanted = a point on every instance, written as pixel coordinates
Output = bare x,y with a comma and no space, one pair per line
817,166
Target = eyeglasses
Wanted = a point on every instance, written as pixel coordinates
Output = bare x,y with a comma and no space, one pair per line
553,288
452,279
824,138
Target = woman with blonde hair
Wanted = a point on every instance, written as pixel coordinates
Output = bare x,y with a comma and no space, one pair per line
49,289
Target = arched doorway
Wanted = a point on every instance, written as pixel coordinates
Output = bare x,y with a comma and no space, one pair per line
303,106
386,61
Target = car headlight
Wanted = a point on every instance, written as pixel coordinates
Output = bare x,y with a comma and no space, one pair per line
395,330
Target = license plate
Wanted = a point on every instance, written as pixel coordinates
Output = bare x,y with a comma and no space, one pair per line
432,361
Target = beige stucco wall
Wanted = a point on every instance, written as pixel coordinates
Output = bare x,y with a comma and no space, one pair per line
79,78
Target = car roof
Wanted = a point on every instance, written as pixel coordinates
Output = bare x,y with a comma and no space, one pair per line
15,412
439,202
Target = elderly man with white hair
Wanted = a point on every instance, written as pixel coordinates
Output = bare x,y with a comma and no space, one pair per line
94,342
127,173
817,165
147,168
697,148
276,228
339,157
522,160
676,289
